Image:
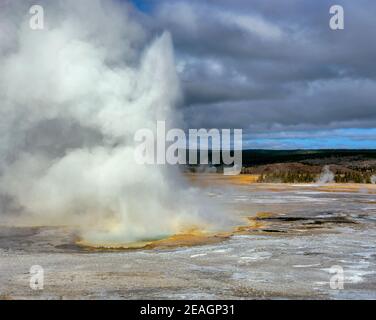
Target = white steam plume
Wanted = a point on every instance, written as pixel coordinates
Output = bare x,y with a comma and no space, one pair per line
326,176
72,96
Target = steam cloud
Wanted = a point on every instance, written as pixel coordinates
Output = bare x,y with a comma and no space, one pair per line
326,176
72,96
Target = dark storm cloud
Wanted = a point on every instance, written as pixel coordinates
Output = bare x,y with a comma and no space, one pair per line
273,65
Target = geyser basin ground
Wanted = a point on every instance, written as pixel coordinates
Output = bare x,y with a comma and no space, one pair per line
294,235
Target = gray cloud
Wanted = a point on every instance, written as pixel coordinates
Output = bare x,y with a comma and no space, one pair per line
273,65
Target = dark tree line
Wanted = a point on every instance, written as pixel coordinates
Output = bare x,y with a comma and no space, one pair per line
354,176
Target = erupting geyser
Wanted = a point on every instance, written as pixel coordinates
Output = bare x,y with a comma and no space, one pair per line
326,176
72,96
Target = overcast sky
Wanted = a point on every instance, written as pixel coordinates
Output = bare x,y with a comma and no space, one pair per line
274,68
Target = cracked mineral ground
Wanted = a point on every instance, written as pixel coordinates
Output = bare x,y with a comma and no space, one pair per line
291,237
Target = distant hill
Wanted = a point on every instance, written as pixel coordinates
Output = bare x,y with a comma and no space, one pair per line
357,166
